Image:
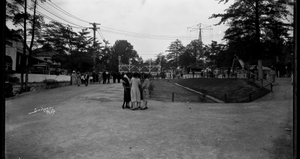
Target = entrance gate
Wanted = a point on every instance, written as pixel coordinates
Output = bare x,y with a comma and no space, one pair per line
153,69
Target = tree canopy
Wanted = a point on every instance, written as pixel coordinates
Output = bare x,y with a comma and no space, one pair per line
254,23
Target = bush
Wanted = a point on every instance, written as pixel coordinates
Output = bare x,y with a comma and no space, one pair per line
151,88
50,83
14,80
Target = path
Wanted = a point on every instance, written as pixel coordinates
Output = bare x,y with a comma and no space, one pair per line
89,123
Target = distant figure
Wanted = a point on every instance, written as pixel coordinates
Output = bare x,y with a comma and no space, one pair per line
108,77
272,75
78,79
100,77
193,71
228,72
86,78
104,77
289,68
73,78
119,77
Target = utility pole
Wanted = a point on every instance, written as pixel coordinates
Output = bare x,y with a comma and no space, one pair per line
94,29
200,35
199,27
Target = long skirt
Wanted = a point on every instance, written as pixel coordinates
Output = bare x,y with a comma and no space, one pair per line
145,95
78,81
142,93
74,82
127,95
135,95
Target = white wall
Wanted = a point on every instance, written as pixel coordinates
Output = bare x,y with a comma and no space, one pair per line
41,77
12,52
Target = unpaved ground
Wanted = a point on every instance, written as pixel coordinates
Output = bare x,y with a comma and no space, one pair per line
88,122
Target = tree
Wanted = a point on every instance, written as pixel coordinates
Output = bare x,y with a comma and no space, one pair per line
195,51
253,23
126,51
19,17
217,55
175,49
75,51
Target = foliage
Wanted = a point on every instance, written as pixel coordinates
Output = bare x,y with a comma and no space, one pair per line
74,50
175,49
151,88
125,50
50,83
254,23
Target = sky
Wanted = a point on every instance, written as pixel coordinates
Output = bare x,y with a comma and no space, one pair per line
149,25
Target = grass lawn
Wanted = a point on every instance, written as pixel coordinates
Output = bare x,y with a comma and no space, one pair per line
236,89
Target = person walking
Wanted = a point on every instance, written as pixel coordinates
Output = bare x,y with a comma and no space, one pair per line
145,91
78,79
126,86
135,92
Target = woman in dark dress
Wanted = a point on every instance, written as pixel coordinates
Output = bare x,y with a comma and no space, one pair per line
126,86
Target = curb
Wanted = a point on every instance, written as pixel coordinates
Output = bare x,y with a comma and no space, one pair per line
210,97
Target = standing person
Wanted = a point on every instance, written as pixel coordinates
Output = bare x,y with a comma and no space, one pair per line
114,76
78,79
272,75
145,90
73,78
119,76
86,78
108,77
228,72
100,77
141,77
135,92
104,76
126,86
193,72
289,69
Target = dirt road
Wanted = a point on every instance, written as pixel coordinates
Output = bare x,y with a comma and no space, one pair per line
88,122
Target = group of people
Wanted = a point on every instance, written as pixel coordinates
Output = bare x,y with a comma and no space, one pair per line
136,91
78,78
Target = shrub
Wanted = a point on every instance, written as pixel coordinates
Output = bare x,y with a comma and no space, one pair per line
151,88
50,83
13,80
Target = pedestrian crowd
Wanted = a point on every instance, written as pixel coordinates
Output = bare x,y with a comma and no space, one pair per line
136,86
78,78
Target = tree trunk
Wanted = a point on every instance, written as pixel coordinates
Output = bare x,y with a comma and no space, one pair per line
257,37
24,46
28,64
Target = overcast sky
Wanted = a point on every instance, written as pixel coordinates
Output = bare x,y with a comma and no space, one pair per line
160,18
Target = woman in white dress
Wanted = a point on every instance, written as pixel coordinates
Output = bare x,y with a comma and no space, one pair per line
135,92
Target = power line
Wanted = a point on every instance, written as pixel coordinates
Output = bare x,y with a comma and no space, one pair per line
49,18
60,17
102,37
147,36
101,34
65,12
